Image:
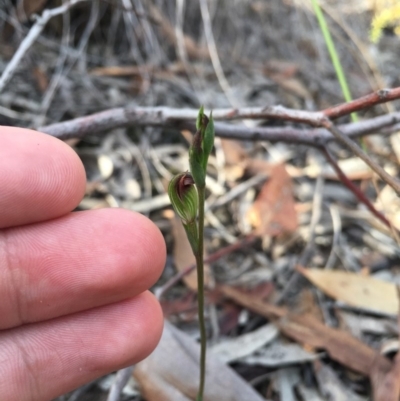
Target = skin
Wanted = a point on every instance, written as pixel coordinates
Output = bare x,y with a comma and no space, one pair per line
74,303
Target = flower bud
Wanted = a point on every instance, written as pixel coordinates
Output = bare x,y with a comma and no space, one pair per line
208,136
203,142
183,196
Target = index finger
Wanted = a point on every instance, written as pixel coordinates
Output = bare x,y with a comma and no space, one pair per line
41,177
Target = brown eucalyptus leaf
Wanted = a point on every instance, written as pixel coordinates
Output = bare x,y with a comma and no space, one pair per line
273,212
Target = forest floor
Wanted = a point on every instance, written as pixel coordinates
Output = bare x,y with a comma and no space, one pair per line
301,275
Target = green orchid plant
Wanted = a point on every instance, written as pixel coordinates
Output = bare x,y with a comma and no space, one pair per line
187,194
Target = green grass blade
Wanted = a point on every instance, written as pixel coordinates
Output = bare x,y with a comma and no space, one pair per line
334,56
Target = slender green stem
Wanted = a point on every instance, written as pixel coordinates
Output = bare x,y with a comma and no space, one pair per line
192,235
187,202
334,56
200,289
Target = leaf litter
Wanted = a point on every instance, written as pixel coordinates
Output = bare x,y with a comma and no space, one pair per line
271,348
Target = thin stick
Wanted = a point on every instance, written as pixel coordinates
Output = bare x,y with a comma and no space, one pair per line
213,50
365,102
160,292
34,32
119,383
353,188
393,182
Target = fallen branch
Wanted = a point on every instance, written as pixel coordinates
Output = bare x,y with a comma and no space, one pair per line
165,116
183,118
365,102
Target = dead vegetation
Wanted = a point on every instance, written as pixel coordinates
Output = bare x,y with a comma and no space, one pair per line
302,236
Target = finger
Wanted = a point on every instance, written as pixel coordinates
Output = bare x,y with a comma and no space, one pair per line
40,177
76,262
44,360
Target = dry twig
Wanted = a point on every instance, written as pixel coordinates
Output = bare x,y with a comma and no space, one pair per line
211,258
215,59
353,188
33,34
365,102
393,182
182,118
165,116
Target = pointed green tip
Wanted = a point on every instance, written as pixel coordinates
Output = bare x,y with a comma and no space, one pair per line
200,117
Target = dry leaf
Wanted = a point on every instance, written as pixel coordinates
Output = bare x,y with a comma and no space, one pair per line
253,302
340,345
106,166
273,212
232,349
42,79
258,166
355,290
307,330
389,203
234,151
171,373
292,85
307,304
235,159
193,49
395,144
331,386
28,7
185,306
121,71
354,168
386,380
282,67
280,354
358,324
183,255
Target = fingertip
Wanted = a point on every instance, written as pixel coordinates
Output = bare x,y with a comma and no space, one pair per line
152,324
137,328
154,244
41,177
144,245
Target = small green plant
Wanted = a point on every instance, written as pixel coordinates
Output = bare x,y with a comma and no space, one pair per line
337,65
187,194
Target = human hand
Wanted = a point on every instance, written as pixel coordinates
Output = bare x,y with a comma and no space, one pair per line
73,299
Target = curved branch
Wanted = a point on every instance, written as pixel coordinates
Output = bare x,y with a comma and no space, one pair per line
182,118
